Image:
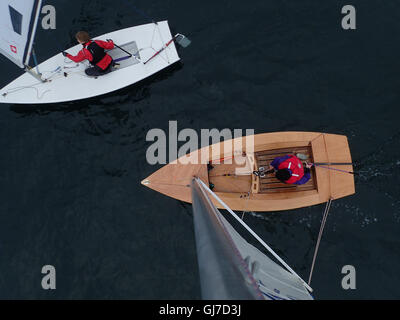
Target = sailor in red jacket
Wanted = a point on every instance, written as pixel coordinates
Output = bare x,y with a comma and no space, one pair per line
289,169
93,50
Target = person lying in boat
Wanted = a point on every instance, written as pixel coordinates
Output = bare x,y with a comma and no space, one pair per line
289,169
93,50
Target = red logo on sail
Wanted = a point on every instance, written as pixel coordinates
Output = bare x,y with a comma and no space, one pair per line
13,49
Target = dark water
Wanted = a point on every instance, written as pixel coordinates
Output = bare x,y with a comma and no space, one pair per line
70,173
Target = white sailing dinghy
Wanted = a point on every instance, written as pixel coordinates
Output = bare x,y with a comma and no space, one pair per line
231,268
142,51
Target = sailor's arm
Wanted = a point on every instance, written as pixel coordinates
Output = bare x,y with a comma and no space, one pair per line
78,58
277,161
109,44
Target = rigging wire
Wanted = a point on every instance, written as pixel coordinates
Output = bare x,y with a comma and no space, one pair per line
324,217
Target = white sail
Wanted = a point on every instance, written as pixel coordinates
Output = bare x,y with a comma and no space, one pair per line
229,266
18,21
274,282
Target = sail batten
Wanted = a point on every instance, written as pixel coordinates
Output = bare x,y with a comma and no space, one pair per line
18,22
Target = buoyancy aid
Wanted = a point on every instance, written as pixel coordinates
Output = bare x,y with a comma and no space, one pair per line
295,167
97,52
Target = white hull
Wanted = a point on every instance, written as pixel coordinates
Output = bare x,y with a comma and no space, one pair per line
148,38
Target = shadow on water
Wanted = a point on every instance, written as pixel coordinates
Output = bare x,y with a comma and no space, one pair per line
109,101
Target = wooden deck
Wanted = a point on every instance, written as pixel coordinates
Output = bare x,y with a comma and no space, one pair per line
270,184
223,176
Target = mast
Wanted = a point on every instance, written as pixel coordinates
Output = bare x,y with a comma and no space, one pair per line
32,32
19,19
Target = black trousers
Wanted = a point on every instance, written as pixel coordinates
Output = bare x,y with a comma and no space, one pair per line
96,71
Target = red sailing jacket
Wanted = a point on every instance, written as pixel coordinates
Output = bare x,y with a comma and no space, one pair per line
296,168
85,54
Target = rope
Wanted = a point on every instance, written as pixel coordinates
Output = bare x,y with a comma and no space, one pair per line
164,44
53,74
16,89
324,217
158,51
329,168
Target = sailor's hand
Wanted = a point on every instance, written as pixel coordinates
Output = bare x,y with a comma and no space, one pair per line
109,40
64,53
308,165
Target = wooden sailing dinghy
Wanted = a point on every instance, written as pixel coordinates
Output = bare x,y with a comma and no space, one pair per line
237,186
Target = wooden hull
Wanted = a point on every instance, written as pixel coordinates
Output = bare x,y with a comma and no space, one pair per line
241,190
